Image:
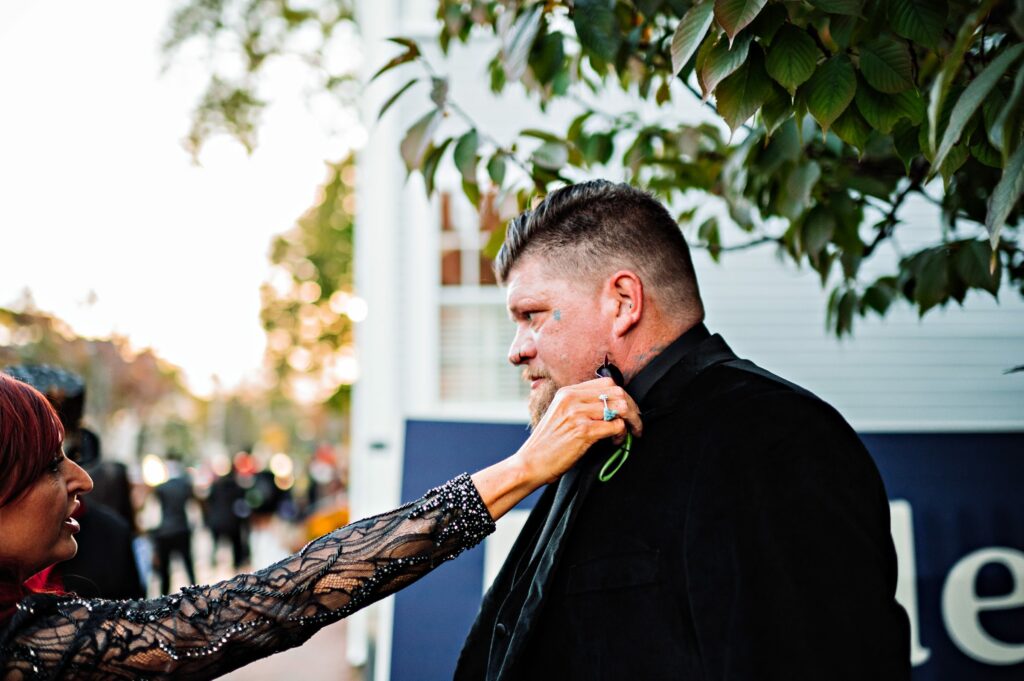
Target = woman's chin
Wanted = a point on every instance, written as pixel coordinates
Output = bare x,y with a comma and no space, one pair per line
67,550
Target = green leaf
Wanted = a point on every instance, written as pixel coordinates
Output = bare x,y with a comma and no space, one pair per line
547,60
394,98
515,52
648,7
439,92
797,189
919,20
431,160
412,52
985,153
905,138
418,137
776,110
844,313
576,127
886,65
740,95
551,155
472,192
947,73
722,61
769,21
709,234
852,128
1003,132
972,98
1005,195
931,285
879,296
689,32
465,155
818,228
840,28
954,160
735,15
882,112
496,168
792,57
848,7
830,90
542,135
597,27
972,263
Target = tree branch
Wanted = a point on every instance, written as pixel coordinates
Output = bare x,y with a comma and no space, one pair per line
749,245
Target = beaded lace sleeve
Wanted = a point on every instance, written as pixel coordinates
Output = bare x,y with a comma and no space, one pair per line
205,631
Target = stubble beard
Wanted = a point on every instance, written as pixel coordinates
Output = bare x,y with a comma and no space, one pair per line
540,399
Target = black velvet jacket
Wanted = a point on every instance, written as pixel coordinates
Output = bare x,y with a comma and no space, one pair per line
747,537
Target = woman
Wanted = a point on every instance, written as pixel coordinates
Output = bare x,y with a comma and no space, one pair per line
205,631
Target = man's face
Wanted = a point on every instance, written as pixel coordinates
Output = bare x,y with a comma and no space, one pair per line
561,334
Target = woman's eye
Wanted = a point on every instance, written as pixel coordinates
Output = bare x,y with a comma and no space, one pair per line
55,464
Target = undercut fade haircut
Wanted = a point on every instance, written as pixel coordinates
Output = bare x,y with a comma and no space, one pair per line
595,228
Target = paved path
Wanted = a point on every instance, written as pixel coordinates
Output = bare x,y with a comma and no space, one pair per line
321,658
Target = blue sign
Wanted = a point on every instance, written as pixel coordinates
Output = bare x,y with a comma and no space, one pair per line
957,502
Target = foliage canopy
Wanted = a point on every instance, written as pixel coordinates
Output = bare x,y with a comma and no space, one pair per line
837,112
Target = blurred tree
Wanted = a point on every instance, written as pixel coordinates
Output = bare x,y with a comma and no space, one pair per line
838,111
308,307
241,38
118,377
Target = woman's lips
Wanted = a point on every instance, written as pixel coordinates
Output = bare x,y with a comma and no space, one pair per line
72,525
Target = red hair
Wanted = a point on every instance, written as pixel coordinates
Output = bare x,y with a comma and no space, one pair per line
30,436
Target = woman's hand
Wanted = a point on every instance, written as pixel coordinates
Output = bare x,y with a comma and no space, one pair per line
572,424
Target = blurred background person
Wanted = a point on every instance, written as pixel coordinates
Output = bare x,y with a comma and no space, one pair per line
226,512
173,535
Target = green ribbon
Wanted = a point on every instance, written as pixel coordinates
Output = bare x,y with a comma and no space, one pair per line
615,461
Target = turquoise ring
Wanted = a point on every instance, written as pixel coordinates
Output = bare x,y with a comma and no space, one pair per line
609,414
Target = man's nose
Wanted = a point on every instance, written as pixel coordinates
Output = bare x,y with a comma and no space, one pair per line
522,349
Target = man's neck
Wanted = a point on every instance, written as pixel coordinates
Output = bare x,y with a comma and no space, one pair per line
650,343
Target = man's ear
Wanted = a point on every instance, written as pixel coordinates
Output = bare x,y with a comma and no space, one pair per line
626,295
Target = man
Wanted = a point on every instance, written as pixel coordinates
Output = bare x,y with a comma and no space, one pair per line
174,533
747,534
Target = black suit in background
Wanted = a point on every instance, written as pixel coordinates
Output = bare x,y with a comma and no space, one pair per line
104,566
747,537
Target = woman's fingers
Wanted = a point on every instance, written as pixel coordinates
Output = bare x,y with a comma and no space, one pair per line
608,397
575,420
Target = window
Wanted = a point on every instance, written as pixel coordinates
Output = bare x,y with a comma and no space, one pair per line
475,329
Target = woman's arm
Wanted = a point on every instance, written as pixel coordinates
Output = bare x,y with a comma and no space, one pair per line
203,632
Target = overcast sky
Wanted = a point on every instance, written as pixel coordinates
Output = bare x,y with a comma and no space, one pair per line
99,201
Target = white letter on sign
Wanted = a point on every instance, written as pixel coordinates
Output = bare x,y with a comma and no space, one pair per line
901,520
961,605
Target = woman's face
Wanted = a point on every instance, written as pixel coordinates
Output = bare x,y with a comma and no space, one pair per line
37,528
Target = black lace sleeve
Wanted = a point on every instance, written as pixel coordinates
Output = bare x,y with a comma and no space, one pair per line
205,631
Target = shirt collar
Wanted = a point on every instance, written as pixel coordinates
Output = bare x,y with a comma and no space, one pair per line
653,372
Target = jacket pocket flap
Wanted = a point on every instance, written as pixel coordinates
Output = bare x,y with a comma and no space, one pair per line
617,571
